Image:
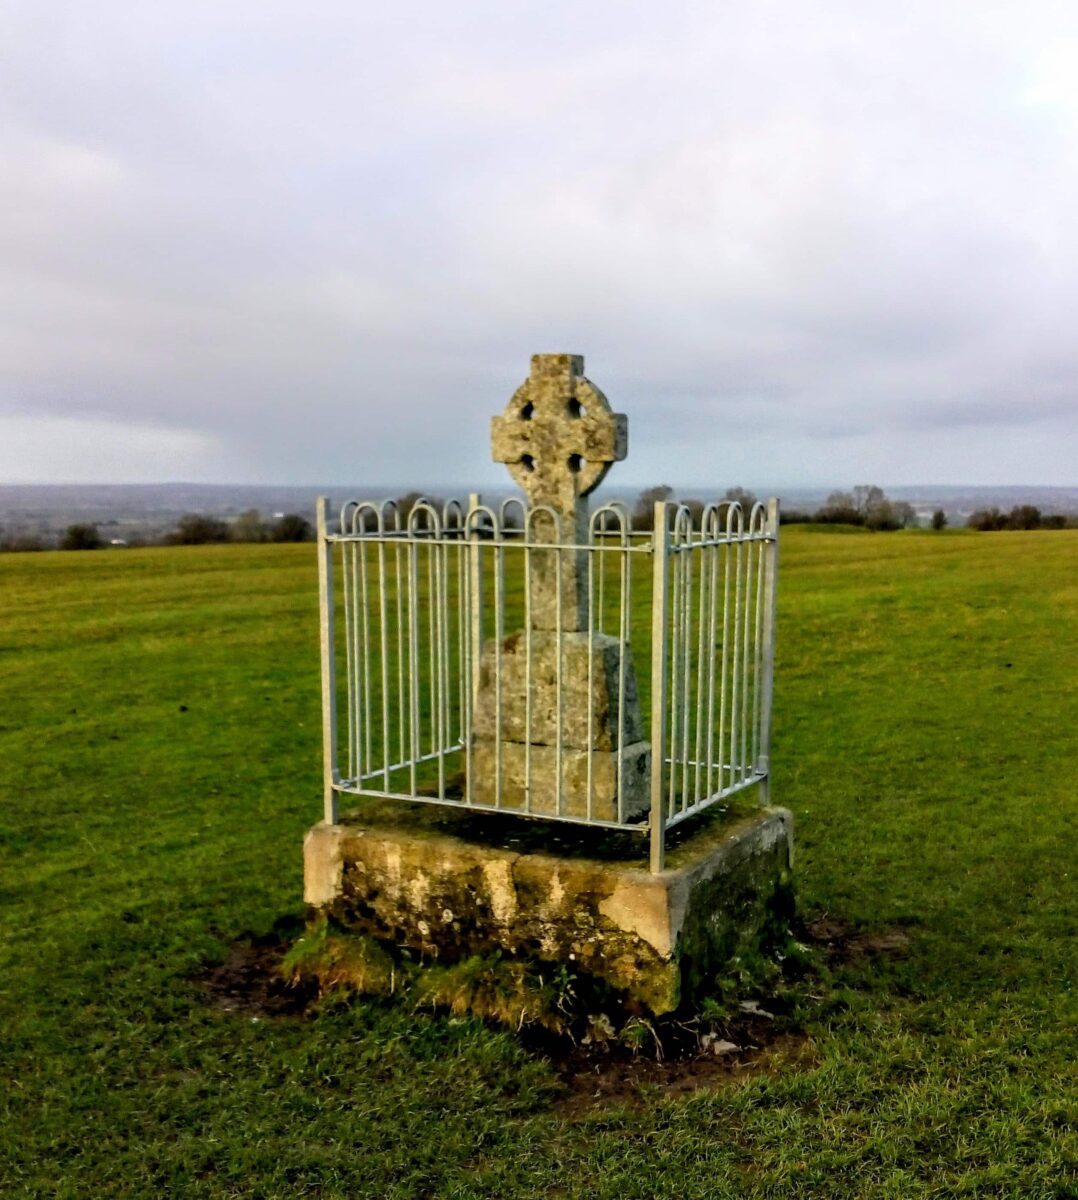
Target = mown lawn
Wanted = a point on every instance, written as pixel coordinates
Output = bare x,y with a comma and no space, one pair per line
159,761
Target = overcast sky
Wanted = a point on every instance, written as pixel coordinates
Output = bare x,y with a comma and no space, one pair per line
798,243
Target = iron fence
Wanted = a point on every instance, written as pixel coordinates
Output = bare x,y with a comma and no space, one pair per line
493,658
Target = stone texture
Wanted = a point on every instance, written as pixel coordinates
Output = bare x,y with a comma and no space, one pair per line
658,941
636,778
588,665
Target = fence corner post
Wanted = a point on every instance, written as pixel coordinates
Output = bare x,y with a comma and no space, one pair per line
329,675
658,684
763,764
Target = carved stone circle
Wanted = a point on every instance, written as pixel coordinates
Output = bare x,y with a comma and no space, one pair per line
558,435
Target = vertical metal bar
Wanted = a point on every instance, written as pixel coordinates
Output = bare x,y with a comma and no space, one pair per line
763,766
623,653
352,635
559,649
735,691
413,659
383,647
447,641
746,661
499,638
367,756
475,615
467,652
685,560
463,676
599,540
359,664
430,657
398,586
713,563
658,685
674,655
329,674
528,690
700,555
759,550
727,552
434,599
348,559
589,741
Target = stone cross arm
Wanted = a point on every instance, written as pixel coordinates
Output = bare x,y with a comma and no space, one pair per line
558,435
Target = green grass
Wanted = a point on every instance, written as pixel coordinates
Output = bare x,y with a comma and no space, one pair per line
159,761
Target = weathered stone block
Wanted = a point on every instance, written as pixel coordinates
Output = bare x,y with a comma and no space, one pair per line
589,670
541,784
428,879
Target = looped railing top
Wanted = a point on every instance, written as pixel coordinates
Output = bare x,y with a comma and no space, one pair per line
719,521
599,522
422,508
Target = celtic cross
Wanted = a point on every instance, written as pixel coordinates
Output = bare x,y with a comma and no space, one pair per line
559,437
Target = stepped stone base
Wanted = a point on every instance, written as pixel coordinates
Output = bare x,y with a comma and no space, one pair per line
453,884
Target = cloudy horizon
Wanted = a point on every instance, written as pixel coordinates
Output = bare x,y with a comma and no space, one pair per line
260,243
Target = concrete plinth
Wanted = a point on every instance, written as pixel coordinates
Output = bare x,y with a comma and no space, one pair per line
452,885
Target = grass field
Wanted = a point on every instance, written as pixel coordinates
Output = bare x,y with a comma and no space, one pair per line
159,762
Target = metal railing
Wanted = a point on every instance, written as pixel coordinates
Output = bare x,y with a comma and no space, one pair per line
490,658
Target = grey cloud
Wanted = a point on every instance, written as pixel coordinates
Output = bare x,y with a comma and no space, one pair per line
326,242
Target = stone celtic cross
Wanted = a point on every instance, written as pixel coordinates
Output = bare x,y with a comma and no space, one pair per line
559,437
556,710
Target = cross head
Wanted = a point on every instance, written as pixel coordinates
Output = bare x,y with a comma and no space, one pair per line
558,435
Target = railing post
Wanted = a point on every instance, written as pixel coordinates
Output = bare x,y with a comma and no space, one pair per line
475,596
763,764
329,675
658,684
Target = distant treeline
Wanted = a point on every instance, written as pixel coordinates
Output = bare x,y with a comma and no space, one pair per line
1022,516
194,529
866,506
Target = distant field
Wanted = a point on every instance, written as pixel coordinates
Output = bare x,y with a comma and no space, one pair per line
159,762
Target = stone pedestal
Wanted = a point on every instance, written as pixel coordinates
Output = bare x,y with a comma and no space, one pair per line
531,772
453,886
517,730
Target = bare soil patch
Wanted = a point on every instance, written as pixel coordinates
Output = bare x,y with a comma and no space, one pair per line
597,1077
249,981
841,942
